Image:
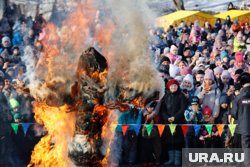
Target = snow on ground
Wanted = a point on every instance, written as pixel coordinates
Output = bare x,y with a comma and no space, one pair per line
210,5
162,7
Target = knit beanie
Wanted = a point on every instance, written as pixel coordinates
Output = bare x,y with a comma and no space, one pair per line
209,74
166,50
172,48
218,70
223,54
238,58
5,39
172,82
224,99
189,78
225,74
207,110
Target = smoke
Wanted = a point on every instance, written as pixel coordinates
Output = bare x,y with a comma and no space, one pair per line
130,64
120,30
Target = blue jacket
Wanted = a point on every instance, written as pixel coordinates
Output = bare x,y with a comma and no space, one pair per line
127,118
192,117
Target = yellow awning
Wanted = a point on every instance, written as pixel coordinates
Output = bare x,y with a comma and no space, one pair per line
240,15
184,15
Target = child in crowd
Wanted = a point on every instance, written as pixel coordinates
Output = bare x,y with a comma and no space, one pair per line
193,115
150,144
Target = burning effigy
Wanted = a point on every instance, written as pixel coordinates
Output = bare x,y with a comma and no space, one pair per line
78,93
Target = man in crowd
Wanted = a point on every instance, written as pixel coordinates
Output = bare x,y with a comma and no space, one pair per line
241,112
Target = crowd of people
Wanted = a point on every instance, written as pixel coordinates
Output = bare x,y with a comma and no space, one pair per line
16,32
205,68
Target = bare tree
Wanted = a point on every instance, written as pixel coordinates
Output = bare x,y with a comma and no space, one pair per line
179,4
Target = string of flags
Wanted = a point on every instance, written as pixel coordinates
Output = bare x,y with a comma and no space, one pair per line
25,127
172,127
149,127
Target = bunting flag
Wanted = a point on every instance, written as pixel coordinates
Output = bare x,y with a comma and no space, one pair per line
160,129
25,127
220,128
232,128
197,129
124,129
209,128
172,128
184,129
149,128
14,127
137,128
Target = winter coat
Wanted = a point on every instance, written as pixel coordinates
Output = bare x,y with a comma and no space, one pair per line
191,117
173,105
127,118
241,111
237,46
210,99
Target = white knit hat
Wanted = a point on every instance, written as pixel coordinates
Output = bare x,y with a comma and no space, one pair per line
5,39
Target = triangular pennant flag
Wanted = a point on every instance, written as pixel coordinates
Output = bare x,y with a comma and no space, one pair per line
25,127
124,129
197,129
209,128
160,129
220,128
172,128
184,129
149,128
14,127
137,128
232,128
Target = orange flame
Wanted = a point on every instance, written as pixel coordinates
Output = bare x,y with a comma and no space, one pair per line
62,48
52,149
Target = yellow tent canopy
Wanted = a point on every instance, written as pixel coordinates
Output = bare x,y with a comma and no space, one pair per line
240,15
184,15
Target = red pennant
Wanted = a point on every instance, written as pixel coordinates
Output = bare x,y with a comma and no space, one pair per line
124,129
160,129
184,129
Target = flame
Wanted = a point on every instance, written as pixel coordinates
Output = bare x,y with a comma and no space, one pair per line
108,132
52,148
